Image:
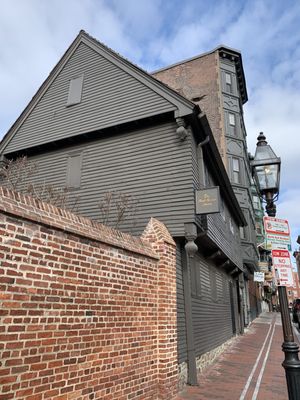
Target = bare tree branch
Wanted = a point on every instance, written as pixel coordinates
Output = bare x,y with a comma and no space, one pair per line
18,175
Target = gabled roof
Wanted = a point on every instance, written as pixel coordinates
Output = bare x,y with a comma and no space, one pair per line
179,104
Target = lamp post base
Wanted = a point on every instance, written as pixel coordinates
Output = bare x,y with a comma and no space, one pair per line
291,364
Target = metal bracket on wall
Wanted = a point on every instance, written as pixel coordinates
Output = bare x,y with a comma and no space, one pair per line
181,130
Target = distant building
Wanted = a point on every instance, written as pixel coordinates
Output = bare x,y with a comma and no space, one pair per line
293,292
296,289
216,82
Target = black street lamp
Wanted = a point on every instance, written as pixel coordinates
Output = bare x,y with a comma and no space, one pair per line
266,172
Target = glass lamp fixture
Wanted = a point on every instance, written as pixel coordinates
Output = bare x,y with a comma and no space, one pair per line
266,173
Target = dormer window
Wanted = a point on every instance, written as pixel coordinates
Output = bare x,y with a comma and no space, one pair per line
75,91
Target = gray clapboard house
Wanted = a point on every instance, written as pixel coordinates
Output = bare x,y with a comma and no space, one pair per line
99,123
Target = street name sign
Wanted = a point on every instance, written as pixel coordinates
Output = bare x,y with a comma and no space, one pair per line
277,234
208,200
259,276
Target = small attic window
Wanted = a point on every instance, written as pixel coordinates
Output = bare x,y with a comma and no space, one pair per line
75,91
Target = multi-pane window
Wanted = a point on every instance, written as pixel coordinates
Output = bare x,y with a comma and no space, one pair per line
232,123
236,177
228,82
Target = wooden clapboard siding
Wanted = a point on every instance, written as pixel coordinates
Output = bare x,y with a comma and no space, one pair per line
152,165
110,97
211,308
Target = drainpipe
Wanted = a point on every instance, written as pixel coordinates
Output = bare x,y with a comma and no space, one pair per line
190,249
201,161
188,259
242,288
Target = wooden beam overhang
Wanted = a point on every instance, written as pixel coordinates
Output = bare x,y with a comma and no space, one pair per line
215,255
87,137
225,265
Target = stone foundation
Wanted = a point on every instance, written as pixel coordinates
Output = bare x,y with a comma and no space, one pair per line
202,362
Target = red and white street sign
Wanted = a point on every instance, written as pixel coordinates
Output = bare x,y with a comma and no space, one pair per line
277,234
276,226
285,277
281,258
283,266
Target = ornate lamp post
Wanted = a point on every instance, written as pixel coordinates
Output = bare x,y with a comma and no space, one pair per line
266,172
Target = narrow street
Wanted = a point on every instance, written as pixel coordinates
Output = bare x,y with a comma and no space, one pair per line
250,368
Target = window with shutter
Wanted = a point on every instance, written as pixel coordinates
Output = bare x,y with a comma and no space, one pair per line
74,171
75,91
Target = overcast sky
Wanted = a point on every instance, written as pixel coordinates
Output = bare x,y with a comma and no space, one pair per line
34,34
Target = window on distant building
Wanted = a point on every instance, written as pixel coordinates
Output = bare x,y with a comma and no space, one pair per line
256,203
236,170
242,232
232,123
75,91
228,82
258,227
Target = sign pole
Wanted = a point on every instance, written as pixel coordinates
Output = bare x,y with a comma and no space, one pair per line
291,363
278,235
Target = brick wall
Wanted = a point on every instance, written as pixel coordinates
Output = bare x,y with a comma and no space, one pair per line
87,312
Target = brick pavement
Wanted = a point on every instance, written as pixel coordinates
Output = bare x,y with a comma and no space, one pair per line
239,373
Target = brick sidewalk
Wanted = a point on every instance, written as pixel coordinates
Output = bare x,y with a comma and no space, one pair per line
233,376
